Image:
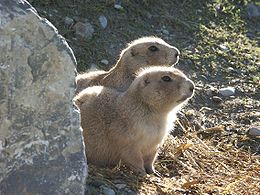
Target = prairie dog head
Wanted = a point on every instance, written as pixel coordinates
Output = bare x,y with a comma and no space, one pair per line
163,88
87,94
148,51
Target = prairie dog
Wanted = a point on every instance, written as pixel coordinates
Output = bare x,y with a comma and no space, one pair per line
146,51
131,125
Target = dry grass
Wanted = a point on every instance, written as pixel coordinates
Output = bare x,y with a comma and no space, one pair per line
190,165
204,168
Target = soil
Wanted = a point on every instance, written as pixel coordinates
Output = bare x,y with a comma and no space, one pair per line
219,44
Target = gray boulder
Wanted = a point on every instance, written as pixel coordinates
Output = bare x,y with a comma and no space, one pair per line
41,147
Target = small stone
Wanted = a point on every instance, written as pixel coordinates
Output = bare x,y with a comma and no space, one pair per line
228,91
103,21
84,30
223,47
254,131
165,32
230,68
108,191
217,99
68,21
119,7
120,186
104,61
253,10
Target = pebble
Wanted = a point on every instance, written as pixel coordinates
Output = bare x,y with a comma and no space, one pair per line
217,99
120,186
68,21
223,47
104,61
84,30
230,68
103,21
253,10
165,32
254,131
119,7
227,91
108,191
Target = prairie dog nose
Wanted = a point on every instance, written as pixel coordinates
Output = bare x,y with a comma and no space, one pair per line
186,89
189,86
177,52
175,55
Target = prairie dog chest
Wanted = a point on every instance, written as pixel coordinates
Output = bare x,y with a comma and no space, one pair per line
150,133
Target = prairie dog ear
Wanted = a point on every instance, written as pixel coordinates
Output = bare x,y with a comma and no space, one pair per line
135,74
138,72
133,52
146,80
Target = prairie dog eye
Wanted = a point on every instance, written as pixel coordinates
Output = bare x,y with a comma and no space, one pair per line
153,48
166,78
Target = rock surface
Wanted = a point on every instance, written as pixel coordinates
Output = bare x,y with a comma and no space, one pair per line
41,147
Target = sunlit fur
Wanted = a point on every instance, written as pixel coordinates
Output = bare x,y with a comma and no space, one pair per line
130,126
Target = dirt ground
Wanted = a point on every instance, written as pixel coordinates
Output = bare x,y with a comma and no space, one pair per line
211,149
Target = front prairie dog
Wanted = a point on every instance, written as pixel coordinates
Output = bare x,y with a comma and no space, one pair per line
131,125
146,51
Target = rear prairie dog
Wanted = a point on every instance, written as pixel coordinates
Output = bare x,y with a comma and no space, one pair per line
130,126
146,51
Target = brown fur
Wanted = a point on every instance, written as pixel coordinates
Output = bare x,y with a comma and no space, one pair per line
131,125
135,56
